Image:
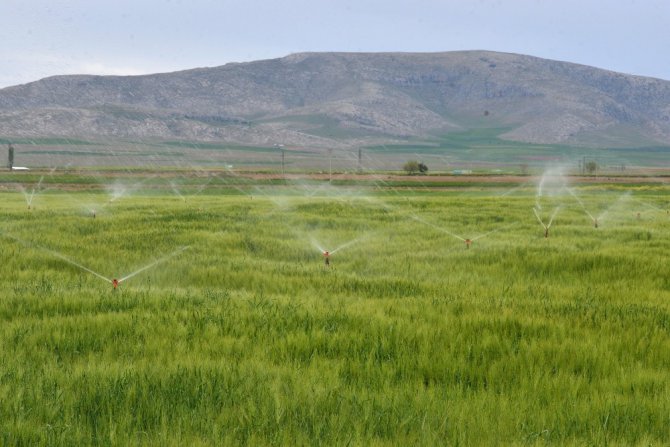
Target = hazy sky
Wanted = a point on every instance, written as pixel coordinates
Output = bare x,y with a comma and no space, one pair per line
40,38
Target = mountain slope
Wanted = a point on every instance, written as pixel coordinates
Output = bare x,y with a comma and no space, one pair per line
317,98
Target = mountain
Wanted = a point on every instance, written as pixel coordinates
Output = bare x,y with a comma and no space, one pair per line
330,99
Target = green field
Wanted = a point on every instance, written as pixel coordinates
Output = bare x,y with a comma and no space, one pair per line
481,149
240,335
485,146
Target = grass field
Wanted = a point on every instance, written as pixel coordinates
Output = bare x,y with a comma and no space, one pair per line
481,149
408,338
484,146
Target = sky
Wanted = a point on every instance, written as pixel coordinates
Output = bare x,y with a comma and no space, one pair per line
40,38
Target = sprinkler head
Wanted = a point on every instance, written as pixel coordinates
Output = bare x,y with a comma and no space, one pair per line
595,223
115,283
546,232
467,243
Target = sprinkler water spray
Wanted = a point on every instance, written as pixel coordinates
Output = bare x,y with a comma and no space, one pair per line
57,255
468,241
176,191
599,219
651,207
347,244
30,196
117,190
596,219
418,219
154,263
113,281
572,193
511,190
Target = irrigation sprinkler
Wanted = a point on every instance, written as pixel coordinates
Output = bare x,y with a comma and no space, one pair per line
328,253
551,220
595,222
467,243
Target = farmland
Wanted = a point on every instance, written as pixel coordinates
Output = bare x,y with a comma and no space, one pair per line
230,330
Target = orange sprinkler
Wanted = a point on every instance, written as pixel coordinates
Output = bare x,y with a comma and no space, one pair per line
468,242
326,257
115,283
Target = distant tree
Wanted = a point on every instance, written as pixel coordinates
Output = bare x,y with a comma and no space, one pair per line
591,166
423,168
411,167
10,161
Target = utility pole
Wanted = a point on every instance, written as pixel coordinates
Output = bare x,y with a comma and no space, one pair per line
10,158
330,165
281,147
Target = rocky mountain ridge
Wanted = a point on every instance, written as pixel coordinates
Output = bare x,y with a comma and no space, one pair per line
331,99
